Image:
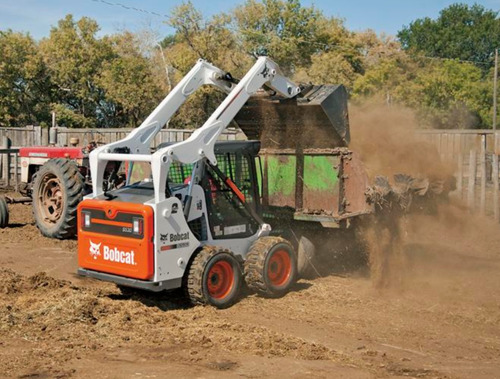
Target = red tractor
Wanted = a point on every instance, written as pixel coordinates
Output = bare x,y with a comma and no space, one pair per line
55,179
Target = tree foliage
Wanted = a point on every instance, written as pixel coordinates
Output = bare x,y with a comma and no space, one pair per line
441,67
25,89
74,57
131,90
460,32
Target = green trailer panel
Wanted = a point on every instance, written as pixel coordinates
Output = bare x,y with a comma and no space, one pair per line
280,172
321,183
318,182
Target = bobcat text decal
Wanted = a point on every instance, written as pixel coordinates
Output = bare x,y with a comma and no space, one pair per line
112,254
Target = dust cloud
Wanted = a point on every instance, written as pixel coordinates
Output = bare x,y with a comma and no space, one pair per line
430,245
386,139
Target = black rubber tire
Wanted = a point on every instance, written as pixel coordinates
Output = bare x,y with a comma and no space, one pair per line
256,266
73,187
4,213
197,277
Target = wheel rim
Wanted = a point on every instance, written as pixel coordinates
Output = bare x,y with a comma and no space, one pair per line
279,268
51,198
220,279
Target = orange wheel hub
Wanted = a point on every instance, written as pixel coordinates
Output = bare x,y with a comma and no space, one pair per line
279,268
220,279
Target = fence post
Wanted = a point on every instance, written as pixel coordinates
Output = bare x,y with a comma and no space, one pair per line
45,136
37,130
496,211
16,171
483,175
460,175
6,161
471,181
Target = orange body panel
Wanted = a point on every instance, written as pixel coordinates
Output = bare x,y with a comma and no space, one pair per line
118,253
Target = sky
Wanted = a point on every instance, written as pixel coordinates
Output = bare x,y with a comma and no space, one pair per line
38,16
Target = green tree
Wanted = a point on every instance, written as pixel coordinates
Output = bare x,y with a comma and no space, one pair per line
209,39
446,94
460,32
24,82
284,30
451,94
131,90
75,57
328,68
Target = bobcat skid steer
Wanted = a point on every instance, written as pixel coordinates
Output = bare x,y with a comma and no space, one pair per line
198,231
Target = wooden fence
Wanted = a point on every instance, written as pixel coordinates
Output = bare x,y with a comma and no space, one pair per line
38,136
11,139
452,143
475,155
474,152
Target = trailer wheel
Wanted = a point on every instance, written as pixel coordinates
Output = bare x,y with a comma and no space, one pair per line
271,267
4,213
214,278
57,190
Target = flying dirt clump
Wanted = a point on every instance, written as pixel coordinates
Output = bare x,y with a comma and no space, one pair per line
397,161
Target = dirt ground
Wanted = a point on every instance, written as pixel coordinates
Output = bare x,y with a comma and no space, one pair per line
442,320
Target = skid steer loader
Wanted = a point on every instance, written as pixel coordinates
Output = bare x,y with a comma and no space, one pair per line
200,230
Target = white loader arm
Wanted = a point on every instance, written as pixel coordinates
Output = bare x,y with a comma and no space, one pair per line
138,142
201,143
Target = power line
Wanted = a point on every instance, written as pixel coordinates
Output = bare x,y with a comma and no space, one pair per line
140,10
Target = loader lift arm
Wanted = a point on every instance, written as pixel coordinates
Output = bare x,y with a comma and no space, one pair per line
201,143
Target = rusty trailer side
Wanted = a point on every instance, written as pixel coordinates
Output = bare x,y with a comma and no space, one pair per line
319,185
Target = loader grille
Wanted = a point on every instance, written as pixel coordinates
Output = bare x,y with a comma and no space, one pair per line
234,166
180,172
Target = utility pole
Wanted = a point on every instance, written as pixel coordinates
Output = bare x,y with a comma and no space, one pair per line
166,66
496,210
495,86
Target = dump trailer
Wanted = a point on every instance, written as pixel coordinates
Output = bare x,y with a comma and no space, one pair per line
314,188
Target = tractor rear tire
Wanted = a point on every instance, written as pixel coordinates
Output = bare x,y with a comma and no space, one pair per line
271,267
214,278
57,190
4,213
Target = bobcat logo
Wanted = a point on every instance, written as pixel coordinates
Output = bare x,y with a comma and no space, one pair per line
95,249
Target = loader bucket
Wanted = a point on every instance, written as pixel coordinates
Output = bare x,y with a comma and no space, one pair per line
317,118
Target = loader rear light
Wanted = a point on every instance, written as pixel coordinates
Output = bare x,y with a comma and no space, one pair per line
86,219
138,225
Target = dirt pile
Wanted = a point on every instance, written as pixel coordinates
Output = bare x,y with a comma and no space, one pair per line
441,322
58,315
